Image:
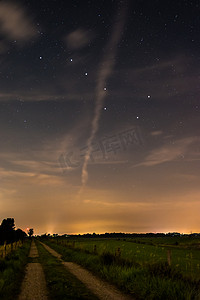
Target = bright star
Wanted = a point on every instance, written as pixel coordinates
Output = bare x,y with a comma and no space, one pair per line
40,57
86,74
71,59
148,96
105,89
105,108
137,117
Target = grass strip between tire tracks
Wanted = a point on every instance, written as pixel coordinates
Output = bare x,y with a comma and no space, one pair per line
60,282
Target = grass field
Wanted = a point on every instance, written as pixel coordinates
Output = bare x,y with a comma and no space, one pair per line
12,269
140,267
185,253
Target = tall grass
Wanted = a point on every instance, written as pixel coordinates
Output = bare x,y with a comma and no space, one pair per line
184,257
61,283
157,281
12,269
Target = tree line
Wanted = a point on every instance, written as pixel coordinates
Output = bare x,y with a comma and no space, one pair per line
9,234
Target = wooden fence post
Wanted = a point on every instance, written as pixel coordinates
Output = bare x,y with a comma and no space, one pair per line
118,252
169,256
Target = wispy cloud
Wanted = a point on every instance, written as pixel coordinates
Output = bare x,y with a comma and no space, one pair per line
57,91
104,73
14,22
35,178
164,79
78,38
135,204
156,133
170,152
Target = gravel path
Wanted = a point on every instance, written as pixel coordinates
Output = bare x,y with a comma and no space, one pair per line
103,290
100,288
34,284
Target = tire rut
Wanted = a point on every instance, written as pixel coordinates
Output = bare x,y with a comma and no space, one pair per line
34,283
103,290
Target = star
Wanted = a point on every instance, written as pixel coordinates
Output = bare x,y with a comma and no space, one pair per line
105,108
71,59
149,96
86,73
40,57
137,117
105,89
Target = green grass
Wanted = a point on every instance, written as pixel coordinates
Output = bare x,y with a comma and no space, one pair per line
10,247
185,254
60,282
12,270
151,280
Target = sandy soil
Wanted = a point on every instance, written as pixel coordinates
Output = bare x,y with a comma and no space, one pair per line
100,288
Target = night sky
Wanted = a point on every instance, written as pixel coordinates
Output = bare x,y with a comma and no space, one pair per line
99,115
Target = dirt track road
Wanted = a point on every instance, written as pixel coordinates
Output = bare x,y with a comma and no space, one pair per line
34,284
101,289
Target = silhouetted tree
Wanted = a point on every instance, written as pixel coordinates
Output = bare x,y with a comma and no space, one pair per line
7,230
30,232
20,235
8,224
44,236
8,233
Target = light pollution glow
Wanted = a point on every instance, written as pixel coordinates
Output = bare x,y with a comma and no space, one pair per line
55,61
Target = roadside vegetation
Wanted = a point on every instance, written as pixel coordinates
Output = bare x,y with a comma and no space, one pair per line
134,267
12,271
60,282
